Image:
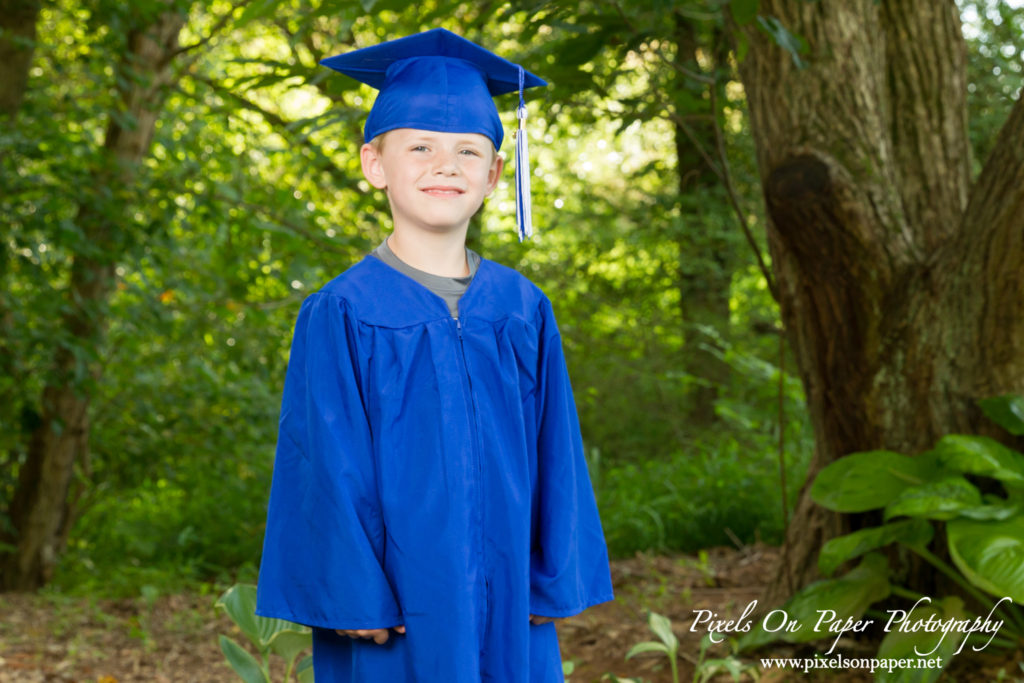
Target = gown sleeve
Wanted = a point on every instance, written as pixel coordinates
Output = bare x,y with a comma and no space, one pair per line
569,569
324,543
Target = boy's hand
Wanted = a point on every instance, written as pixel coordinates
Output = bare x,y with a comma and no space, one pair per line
537,621
378,635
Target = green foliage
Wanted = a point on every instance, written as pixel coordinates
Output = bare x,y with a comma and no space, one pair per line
868,480
848,596
842,549
690,501
268,636
249,198
937,491
898,644
990,554
994,32
707,669
667,643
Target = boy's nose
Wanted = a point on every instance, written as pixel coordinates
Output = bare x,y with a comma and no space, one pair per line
446,164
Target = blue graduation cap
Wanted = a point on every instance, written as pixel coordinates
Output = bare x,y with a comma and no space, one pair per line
439,81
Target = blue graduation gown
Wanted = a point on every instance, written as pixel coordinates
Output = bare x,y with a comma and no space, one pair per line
430,472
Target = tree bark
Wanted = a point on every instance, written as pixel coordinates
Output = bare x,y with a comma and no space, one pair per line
39,510
901,286
17,45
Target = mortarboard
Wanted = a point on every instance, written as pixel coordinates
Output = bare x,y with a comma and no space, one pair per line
439,81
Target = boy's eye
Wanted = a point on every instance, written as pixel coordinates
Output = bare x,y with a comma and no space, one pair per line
419,148
471,152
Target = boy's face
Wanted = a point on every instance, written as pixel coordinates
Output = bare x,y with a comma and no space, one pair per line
434,181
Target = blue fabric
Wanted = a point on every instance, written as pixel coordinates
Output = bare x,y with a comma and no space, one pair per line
430,472
434,80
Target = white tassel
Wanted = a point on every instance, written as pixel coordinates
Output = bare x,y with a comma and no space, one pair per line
524,205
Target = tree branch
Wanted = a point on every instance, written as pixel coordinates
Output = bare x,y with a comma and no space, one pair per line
282,126
988,252
217,27
926,60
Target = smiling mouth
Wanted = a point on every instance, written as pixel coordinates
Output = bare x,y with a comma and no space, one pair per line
443,191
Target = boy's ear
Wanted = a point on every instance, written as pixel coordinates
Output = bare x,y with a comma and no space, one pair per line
373,169
494,174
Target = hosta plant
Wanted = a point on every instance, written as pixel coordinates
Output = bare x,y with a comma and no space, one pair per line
268,636
936,494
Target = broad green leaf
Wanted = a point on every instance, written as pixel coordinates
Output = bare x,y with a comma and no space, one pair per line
293,635
980,455
646,646
291,641
288,639
244,664
912,532
943,499
870,479
743,11
662,628
990,554
848,596
920,644
998,509
1006,411
239,602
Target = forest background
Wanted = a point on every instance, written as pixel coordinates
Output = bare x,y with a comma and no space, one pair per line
175,177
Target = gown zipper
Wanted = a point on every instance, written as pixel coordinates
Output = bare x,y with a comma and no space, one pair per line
474,425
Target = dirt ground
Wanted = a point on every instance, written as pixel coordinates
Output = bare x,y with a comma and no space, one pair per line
173,639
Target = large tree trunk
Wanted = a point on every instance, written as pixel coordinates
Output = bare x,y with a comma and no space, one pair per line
900,284
40,511
17,44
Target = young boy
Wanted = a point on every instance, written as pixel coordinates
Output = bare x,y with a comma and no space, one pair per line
431,512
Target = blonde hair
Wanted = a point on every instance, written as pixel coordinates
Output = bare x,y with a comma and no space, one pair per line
378,142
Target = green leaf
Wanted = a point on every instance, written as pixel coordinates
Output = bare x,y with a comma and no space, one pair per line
239,602
255,10
293,635
1006,411
743,11
662,628
870,479
304,671
290,641
943,499
646,646
990,554
999,509
581,50
980,455
742,46
244,664
912,532
848,596
287,639
915,644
